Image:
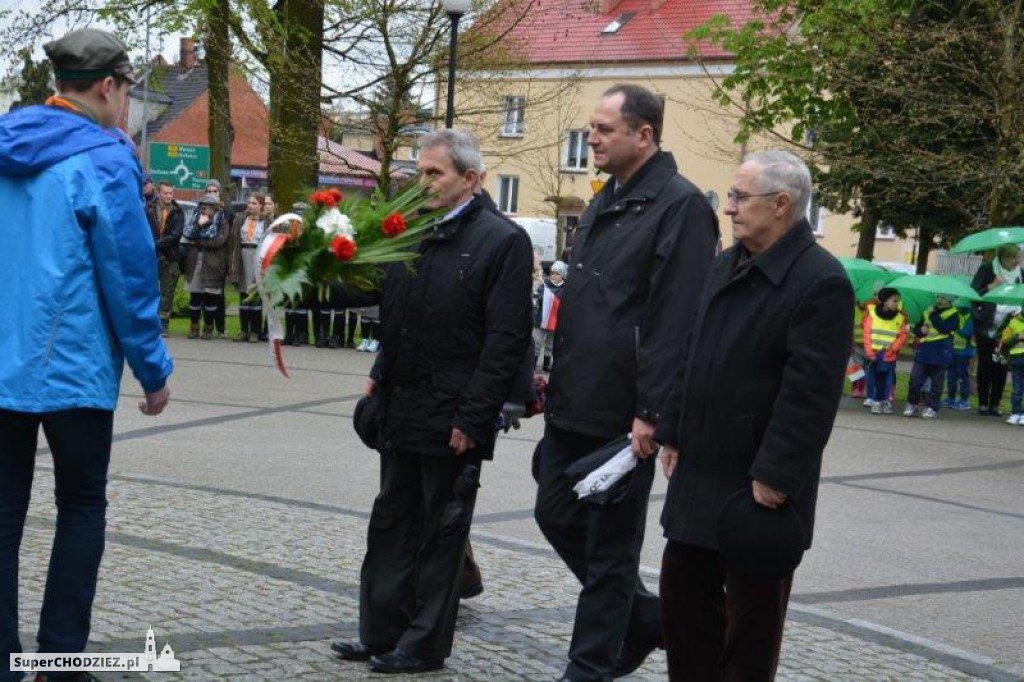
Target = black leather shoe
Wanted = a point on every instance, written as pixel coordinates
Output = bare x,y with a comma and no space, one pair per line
994,412
632,656
398,661
357,651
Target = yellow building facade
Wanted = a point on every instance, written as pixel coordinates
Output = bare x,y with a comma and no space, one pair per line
534,123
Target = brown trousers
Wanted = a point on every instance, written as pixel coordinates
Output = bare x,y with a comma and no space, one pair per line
717,624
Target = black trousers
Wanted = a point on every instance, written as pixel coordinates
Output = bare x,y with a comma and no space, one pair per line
719,625
991,375
409,584
80,442
601,546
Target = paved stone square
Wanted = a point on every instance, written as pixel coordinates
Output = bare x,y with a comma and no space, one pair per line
237,525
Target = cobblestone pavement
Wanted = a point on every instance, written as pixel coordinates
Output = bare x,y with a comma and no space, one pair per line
253,587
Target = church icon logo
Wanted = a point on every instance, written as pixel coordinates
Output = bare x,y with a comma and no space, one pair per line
165,662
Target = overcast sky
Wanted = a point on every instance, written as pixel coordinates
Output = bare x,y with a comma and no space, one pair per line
165,44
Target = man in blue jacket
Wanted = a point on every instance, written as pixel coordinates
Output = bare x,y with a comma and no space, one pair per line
78,297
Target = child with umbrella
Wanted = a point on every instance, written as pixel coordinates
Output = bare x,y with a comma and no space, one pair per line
885,333
934,354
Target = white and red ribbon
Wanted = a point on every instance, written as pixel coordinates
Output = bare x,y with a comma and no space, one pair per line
270,246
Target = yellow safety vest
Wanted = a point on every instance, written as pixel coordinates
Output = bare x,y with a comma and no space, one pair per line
883,332
960,342
932,334
858,330
1014,327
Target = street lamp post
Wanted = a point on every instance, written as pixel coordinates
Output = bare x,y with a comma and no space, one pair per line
454,9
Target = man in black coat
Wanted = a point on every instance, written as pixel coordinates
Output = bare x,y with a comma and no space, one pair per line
752,407
642,251
167,221
455,329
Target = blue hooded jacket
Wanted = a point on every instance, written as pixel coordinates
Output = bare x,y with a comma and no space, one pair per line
78,282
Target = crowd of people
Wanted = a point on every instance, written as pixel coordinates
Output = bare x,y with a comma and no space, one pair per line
650,331
946,340
215,249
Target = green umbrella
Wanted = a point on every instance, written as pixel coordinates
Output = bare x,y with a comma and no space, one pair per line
1010,294
992,238
866,277
918,291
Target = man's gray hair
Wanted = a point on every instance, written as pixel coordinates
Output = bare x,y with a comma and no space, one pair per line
785,172
463,148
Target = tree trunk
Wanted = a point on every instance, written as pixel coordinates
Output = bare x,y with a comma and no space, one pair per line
924,248
218,68
866,238
295,76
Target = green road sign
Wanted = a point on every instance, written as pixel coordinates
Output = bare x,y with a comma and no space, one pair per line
185,166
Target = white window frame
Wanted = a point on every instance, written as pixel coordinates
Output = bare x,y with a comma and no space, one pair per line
575,142
508,193
513,115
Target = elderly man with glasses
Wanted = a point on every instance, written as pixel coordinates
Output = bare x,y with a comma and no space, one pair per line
750,414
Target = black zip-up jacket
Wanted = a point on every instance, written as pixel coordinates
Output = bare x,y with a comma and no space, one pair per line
166,245
638,265
985,313
455,327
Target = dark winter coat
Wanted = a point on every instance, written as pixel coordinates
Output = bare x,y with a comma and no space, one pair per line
523,388
638,264
758,391
985,313
215,255
167,243
455,329
937,352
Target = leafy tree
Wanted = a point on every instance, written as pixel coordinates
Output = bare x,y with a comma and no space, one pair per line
35,82
907,109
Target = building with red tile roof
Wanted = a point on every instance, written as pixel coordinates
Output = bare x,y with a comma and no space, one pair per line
563,54
179,108
613,32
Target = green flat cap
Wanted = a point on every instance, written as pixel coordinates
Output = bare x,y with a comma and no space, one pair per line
89,54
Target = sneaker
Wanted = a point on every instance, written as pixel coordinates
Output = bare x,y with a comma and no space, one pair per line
910,411
949,404
887,407
363,346
876,408
962,405
373,347
868,402
929,414
1014,419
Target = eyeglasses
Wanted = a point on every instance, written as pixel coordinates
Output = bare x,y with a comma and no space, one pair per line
738,197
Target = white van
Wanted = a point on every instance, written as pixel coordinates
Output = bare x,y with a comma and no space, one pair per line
544,235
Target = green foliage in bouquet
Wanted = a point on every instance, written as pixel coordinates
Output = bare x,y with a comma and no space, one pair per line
345,240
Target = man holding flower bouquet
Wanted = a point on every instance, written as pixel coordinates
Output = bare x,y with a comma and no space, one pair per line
456,326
